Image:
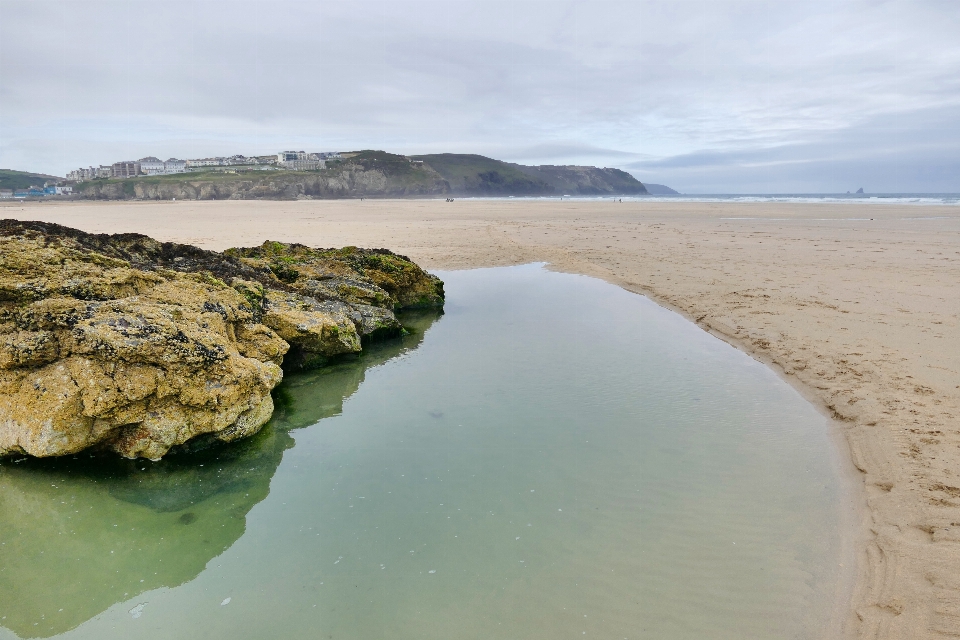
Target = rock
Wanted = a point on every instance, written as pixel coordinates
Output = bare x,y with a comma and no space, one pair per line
136,346
323,328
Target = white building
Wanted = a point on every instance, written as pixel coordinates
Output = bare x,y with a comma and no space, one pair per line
204,162
151,166
81,174
300,161
155,166
90,173
172,165
64,191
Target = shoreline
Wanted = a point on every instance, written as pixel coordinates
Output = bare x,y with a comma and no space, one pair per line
889,386
842,623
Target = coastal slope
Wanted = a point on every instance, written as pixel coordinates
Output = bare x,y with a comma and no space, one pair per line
585,181
10,179
660,190
475,175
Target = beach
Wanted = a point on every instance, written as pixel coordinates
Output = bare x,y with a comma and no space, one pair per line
856,305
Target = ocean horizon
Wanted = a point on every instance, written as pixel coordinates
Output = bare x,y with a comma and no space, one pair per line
950,199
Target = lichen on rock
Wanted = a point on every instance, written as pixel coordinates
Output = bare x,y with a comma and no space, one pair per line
128,344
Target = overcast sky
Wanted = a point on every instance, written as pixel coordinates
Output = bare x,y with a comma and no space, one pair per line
705,96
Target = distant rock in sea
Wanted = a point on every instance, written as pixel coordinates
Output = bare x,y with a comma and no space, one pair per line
660,190
126,344
860,191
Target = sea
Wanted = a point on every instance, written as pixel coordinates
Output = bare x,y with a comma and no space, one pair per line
923,199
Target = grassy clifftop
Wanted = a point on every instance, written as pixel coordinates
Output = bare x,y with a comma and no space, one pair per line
10,179
468,174
478,175
585,181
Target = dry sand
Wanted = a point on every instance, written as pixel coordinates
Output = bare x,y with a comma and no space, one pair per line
857,305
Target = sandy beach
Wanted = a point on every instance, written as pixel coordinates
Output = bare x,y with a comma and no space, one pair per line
856,305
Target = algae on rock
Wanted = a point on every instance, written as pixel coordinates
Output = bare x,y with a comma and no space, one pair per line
125,343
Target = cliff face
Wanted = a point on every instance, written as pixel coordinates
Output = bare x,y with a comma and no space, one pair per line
132,345
375,174
586,181
350,180
473,175
479,176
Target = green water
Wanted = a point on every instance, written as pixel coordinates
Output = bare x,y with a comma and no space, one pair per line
552,458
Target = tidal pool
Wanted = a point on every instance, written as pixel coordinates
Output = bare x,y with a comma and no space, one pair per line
553,457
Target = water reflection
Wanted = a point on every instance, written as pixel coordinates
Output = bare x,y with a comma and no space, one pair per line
79,534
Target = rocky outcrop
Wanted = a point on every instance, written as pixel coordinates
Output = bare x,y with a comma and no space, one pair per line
128,344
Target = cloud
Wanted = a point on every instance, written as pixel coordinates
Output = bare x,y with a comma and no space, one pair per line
890,153
650,86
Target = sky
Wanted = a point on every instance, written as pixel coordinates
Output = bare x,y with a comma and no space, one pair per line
785,96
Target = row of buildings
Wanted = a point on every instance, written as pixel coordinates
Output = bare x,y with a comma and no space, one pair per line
151,166
36,192
148,166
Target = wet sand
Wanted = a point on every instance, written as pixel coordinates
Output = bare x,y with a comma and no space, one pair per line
857,305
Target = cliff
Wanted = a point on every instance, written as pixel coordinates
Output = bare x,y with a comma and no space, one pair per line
474,175
660,190
374,174
123,343
585,181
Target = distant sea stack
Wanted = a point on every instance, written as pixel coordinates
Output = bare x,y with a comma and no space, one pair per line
860,191
373,174
126,344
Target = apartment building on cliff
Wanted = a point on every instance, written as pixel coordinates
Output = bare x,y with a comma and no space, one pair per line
151,166
90,173
125,169
219,161
300,160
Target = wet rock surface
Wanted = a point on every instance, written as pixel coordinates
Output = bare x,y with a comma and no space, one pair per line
124,343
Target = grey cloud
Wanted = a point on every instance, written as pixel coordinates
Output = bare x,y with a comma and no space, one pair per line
650,86
547,152
884,154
